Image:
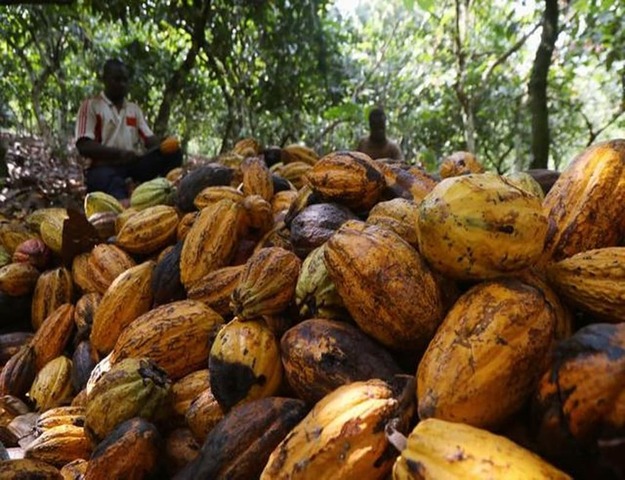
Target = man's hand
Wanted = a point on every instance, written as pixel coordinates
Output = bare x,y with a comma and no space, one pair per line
127,157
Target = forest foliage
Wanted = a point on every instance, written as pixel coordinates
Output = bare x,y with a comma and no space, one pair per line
451,74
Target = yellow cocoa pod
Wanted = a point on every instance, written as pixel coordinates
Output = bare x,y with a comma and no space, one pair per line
459,163
18,279
169,145
476,352
281,201
53,385
123,217
80,273
480,226
211,241
134,387
583,206
75,470
444,449
215,289
53,335
247,145
259,214
348,178
267,283
586,367
128,297
185,390
244,363
295,173
398,215
22,468
100,202
257,178
214,194
149,230
203,414
593,282
51,230
177,336
53,288
299,153
105,263
403,310
13,234
343,437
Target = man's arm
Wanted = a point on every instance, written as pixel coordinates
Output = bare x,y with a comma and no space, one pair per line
395,152
103,155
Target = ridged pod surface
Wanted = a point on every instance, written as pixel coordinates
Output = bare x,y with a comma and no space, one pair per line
54,334
493,344
398,215
267,284
101,202
18,279
321,355
348,178
27,468
54,288
176,336
130,451
295,172
158,191
343,436
583,206
244,363
52,386
593,281
239,445
51,230
215,289
299,153
439,449
60,445
185,390
19,372
480,226
386,286
409,183
257,178
85,309
134,387
203,414
14,233
128,297
211,241
211,195
148,230
582,393
459,163
315,292
105,263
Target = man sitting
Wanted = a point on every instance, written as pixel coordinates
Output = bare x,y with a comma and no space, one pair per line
112,134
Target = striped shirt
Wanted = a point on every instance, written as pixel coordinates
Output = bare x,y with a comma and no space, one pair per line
100,120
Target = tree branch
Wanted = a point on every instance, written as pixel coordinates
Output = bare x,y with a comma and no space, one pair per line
513,49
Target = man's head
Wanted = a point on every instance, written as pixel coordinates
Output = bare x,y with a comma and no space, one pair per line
377,123
115,77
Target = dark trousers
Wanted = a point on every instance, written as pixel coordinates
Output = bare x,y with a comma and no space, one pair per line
112,179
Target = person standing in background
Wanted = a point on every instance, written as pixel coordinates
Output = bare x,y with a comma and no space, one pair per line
376,145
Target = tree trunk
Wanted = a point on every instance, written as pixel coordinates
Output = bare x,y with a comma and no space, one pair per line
176,82
466,103
537,88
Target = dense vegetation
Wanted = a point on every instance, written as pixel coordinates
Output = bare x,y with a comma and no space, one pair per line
518,83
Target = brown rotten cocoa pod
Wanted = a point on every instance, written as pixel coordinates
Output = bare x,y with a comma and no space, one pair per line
241,443
18,374
320,355
33,251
